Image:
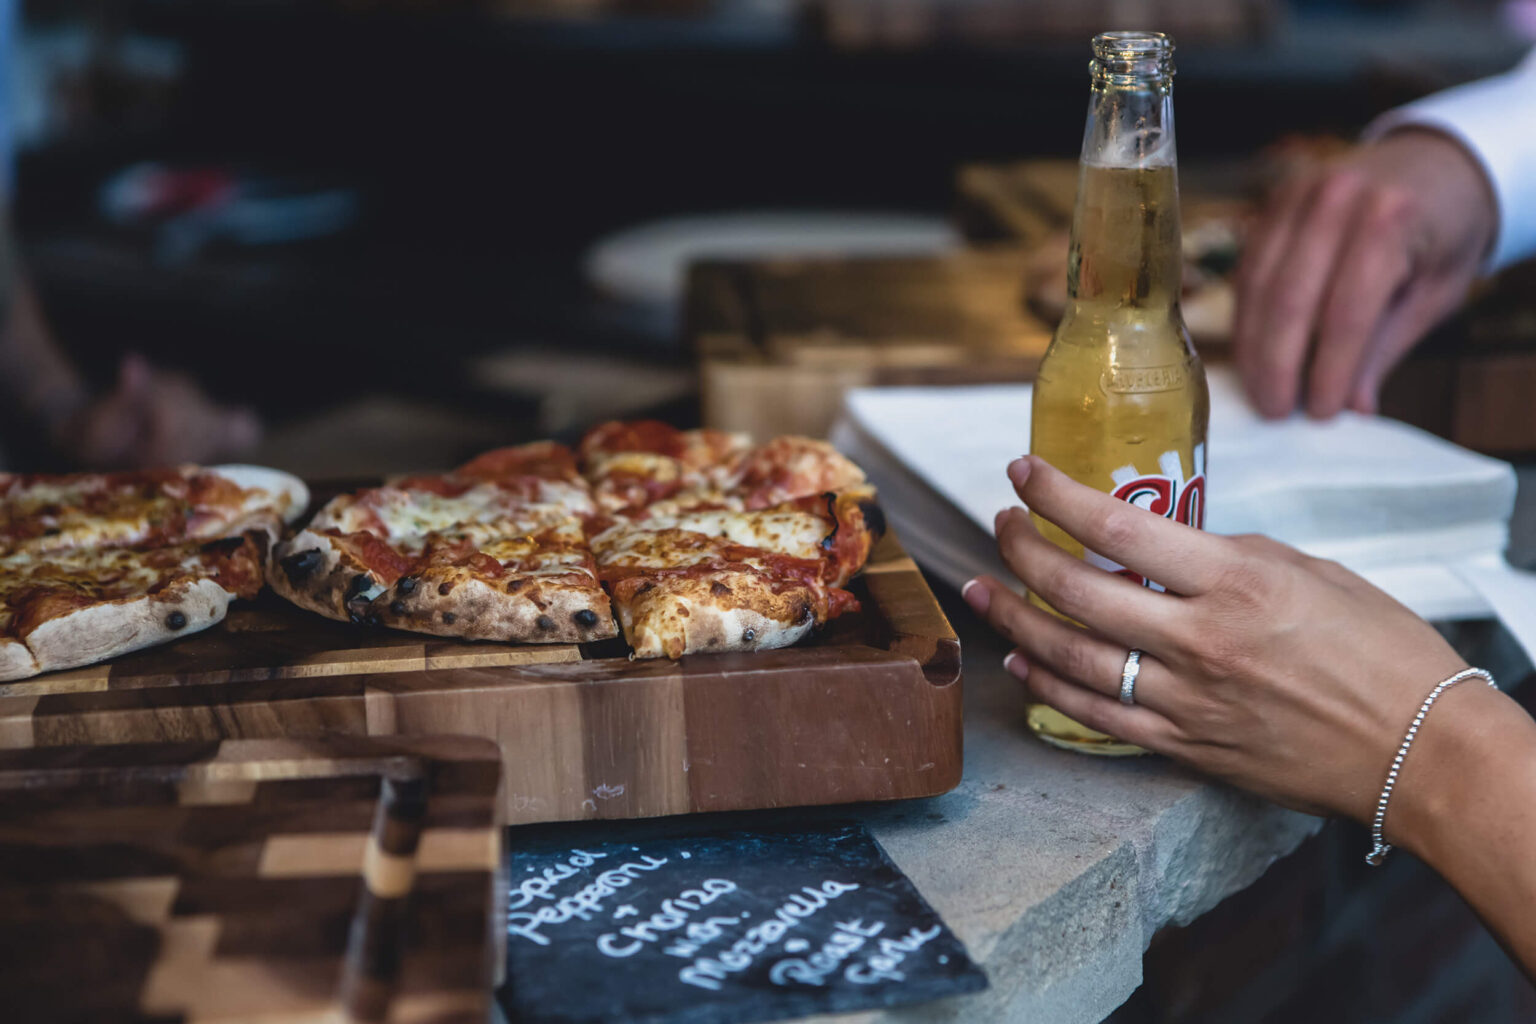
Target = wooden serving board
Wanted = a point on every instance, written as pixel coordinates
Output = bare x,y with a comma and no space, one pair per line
272,880
867,710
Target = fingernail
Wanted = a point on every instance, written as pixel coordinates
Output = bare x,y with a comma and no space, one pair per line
1016,665
977,596
1018,471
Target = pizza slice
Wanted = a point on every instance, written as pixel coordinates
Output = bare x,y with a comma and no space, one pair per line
727,580
788,468
63,609
493,551
42,513
636,465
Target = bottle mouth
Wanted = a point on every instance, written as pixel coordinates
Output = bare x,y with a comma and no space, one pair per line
1126,58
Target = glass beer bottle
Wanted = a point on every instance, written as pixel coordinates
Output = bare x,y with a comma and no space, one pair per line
1120,400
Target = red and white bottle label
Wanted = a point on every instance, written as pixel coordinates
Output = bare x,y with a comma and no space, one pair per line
1168,494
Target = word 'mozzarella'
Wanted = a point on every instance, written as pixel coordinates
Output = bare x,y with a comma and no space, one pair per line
672,916
709,972
848,938
581,904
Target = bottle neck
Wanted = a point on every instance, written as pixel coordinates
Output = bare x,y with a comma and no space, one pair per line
1126,246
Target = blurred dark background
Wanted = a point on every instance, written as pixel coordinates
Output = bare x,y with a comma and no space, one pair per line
424,176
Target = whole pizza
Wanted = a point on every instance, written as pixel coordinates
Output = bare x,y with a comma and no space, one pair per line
686,540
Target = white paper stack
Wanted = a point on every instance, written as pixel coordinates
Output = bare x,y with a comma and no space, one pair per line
1423,519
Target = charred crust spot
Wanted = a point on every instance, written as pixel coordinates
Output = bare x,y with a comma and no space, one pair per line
176,620
449,618
805,611
645,588
397,607
830,498
683,612
357,586
301,565
544,622
748,635
874,517
445,588
586,618
406,585
719,589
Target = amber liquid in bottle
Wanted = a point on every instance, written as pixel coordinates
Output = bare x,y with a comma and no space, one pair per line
1120,400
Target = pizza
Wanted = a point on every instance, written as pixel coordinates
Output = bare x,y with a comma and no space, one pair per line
686,540
96,565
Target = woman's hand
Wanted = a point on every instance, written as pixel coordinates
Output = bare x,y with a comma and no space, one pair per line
1351,264
1284,674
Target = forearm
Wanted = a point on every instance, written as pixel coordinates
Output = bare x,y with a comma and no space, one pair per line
1467,806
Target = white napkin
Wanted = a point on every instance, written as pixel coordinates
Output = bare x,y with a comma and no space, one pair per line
1420,517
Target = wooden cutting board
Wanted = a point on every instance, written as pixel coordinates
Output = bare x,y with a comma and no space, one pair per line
868,710
272,880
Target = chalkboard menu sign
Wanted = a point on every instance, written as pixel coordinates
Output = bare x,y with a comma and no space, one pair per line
725,928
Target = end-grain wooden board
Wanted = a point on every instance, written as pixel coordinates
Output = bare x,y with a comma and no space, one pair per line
868,710
273,880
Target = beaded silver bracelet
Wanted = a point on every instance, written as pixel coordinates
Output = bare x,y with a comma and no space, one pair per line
1382,847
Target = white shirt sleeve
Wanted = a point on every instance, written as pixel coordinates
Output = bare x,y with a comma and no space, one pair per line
1495,119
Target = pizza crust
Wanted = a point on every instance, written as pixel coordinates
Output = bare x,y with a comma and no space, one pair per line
475,609
16,661
291,493
105,631
310,571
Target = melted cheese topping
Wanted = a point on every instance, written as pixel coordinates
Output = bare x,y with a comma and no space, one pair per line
678,540
91,510
121,571
404,517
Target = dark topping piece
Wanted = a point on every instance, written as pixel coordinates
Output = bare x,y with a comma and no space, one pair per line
874,517
749,635
176,620
228,545
448,617
445,588
514,585
406,585
371,620
545,622
397,607
300,566
719,589
586,618
805,611
357,586
356,617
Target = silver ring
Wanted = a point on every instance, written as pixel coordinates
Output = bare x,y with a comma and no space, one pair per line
1128,677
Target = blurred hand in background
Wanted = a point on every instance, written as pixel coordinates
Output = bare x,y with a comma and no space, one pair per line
149,417
1352,263
154,417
